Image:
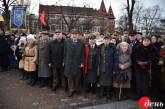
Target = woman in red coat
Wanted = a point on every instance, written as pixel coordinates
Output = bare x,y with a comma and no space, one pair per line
90,69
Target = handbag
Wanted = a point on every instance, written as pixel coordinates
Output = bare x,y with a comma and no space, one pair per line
21,64
120,77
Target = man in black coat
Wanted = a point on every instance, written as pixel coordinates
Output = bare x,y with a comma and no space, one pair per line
4,51
11,41
56,59
145,59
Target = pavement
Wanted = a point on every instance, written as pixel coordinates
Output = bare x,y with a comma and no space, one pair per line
16,94
127,104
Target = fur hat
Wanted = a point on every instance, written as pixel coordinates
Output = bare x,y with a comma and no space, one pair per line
31,36
147,37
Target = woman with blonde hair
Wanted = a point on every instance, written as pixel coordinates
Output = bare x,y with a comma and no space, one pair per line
122,75
30,59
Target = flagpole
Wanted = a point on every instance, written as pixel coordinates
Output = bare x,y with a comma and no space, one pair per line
29,24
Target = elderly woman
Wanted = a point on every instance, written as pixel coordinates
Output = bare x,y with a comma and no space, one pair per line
122,76
30,59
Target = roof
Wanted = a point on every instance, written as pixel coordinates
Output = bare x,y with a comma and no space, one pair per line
69,10
102,9
110,12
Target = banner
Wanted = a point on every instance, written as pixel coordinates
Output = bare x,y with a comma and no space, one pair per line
42,18
1,17
18,17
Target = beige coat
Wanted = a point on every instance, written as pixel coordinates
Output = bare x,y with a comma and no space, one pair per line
30,59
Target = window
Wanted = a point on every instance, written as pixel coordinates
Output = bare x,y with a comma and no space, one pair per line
52,27
58,27
65,28
81,28
96,28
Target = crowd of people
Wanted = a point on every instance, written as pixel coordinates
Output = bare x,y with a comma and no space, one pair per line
106,65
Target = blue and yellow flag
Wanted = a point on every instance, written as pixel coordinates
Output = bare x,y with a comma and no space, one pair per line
1,18
18,17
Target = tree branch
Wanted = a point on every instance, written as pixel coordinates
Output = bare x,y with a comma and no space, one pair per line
11,2
8,2
63,16
128,6
156,10
132,7
1,8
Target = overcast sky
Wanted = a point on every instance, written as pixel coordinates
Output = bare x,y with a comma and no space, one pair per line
117,5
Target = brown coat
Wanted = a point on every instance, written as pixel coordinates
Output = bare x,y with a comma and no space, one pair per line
30,59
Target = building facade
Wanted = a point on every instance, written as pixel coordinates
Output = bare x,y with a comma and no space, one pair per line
66,18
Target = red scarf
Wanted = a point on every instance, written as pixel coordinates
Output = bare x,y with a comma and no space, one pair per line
86,58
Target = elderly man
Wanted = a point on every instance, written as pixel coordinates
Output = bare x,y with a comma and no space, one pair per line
73,61
56,51
43,60
106,68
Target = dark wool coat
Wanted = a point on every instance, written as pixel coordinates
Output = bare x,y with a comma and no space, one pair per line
107,63
43,59
73,57
4,45
147,54
4,52
56,50
162,64
19,52
143,72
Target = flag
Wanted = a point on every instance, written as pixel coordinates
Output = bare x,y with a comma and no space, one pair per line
18,18
1,18
42,18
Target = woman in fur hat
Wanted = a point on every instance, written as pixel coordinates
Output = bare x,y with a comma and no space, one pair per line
30,59
145,58
122,74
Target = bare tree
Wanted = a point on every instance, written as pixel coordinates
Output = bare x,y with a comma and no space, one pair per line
88,23
130,9
6,12
122,23
150,18
70,20
143,19
137,15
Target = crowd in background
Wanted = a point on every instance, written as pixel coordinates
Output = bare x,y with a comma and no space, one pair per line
104,64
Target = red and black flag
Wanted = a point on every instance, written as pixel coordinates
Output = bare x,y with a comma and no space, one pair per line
42,18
